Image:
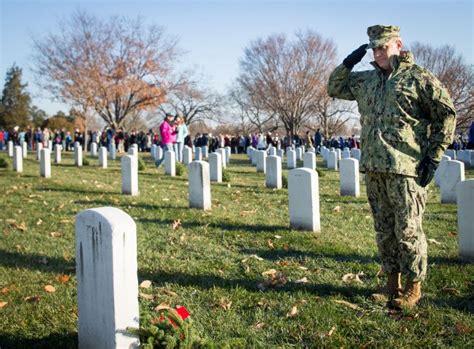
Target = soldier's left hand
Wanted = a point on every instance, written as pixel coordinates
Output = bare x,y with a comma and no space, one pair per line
425,170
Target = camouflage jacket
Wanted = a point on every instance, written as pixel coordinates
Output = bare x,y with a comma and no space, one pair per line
404,116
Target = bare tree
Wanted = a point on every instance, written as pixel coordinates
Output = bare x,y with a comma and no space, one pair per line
457,76
250,112
112,69
286,77
191,99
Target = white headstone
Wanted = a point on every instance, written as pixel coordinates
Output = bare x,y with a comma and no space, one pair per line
332,160
356,153
451,153
103,157
10,148
303,192
170,163
309,160
205,151
93,149
299,153
465,201
452,175
281,154
261,155
18,159
50,146
159,152
291,159
112,151
471,158
273,172
129,175
346,154
187,155
133,150
45,163
24,149
349,177
215,167
223,153
272,151
249,151
228,154
153,151
440,169
339,154
198,154
57,153
199,185
107,284
311,150
253,157
39,146
77,154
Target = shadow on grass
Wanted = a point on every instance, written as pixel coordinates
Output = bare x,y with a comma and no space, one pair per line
459,303
76,190
275,255
36,262
206,281
224,225
53,340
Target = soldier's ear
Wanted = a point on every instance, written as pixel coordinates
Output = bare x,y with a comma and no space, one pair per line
399,43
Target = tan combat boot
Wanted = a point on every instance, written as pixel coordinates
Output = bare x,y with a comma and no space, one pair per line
411,295
390,291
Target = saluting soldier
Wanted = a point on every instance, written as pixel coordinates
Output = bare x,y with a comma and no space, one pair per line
408,121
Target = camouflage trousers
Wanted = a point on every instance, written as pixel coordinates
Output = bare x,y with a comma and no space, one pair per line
397,204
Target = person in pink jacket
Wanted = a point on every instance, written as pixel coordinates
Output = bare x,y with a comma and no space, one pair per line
168,136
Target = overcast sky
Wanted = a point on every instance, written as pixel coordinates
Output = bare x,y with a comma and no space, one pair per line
214,33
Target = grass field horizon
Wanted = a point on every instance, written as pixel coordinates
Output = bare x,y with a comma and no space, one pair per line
218,263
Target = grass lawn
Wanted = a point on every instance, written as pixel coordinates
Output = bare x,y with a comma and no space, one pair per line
209,264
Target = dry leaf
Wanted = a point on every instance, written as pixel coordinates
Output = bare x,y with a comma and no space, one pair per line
147,296
348,304
225,304
5,290
270,244
145,284
434,242
21,226
162,306
32,299
302,281
283,263
336,209
65,221
10,221
270,272
55,234
302,268
277,237
252,256
2,304
169,293
350,278
39,222
292,312
331,331
460,329
50,288
176,224
259,325
63,278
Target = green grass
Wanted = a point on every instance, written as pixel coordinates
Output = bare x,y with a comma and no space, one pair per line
206,267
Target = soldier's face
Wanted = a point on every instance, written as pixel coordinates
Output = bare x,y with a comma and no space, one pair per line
382,54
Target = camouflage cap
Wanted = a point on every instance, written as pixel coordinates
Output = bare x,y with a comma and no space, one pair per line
381,34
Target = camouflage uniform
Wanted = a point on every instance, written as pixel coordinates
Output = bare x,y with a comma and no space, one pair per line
404,116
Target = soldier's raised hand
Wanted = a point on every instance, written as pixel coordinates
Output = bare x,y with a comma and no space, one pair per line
355,57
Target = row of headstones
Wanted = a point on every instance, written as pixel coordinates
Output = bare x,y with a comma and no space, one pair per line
106,256
466,156
272,166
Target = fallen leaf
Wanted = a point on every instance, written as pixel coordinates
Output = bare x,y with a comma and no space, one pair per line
460,329
162,306
348,304
145,284
147,296
270,272
10,221
65,221
350,278
302,268
32,299
303,280
270,244
331,331
165,199
292,313
225,304
277,237
434,242
336,209
452,233
169,293
259,325
252,256
39,222
50,288
63,278
283,263
5,290
55,234
176,224
20,226
2,304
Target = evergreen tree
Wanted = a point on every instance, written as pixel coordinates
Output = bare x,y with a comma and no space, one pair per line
38,116
15,102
